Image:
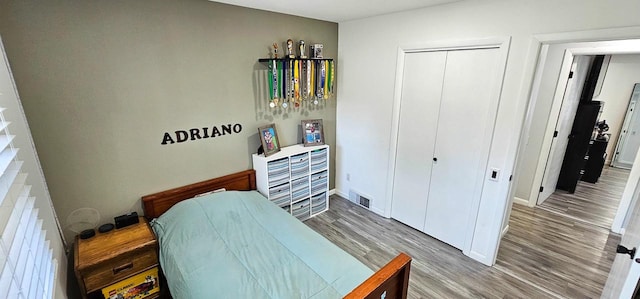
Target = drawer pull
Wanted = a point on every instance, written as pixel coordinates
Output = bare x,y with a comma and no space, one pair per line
124,267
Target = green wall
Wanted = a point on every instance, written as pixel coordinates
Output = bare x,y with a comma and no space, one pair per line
102,81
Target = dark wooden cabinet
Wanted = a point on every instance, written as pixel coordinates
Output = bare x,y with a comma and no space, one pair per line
596,156
575,157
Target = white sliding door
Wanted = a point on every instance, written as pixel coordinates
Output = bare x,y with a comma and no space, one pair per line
447,113
465,123
421,92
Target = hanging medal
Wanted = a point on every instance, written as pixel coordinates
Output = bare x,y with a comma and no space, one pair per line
300,82
333,77
329,77
273,84
270,80
316,81
303,80
312,83
292,83
280,79
296,83
307,83
325,91
320,81
285,84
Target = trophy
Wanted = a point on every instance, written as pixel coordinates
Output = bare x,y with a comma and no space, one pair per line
302,49
290,49
275,50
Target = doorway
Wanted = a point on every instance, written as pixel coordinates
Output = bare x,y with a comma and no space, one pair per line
555,93
581,192
540,154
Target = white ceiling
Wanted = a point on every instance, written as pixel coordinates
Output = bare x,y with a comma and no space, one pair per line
336,10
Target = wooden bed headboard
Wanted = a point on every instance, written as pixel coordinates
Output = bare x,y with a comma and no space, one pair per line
156,204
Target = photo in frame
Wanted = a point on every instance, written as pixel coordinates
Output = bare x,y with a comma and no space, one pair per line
269,139
313,132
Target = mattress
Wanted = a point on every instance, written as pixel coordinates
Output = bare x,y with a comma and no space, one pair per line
237,244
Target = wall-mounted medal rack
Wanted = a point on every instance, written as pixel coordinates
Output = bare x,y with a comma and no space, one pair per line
294,80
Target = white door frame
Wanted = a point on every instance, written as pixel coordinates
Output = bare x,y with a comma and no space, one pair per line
598,42
616,47
500,43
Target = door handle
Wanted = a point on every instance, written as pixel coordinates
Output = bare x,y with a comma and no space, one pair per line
435,159
624,250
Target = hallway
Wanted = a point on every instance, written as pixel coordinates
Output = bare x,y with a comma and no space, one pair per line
565,244
592,203
563,257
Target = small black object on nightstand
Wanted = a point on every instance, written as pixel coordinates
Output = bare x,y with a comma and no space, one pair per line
87,233
126,220
106,228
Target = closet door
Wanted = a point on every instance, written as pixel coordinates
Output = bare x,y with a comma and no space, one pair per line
465,125
419,104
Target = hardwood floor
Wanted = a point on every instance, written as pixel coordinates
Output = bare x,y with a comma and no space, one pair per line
567,258
544,255
593,203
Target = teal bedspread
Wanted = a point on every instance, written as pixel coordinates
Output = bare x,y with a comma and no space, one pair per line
239,245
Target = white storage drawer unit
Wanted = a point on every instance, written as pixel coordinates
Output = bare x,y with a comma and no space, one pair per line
296,179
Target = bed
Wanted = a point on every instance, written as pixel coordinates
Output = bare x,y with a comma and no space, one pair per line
237,244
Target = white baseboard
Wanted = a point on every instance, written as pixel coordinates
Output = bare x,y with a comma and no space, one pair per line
480,258
520,201
341,194
504,231
378,211
346,196
332,192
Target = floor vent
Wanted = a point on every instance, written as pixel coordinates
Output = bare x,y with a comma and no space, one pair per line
359,199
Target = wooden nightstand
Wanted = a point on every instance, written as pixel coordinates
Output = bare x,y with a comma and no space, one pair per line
119,256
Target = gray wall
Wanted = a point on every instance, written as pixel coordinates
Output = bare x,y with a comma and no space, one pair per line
102,81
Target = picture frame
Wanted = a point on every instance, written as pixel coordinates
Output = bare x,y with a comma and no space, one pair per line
312,132
269,139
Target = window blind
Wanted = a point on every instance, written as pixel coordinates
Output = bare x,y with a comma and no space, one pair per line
27,265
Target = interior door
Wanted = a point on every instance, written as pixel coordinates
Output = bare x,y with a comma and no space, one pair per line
629,140
573,90
465,126
625,271
421,92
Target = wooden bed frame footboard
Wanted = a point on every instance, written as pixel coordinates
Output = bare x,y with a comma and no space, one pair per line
390,282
